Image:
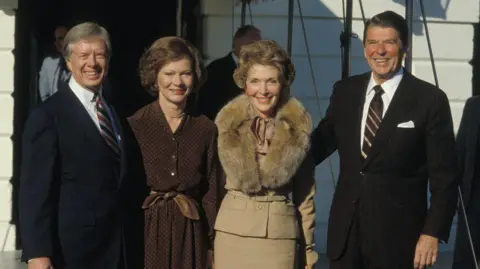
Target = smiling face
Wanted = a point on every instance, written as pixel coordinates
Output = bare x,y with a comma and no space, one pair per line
263,88
89,62
384,52
175,81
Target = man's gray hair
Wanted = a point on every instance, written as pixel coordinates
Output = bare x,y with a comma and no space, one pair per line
83,31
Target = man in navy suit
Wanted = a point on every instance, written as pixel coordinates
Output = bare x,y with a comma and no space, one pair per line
82,181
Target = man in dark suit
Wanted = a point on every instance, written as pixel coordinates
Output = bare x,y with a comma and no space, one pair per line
395,137
469,165
219,88
82,181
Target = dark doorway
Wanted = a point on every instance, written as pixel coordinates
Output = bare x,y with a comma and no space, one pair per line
133,26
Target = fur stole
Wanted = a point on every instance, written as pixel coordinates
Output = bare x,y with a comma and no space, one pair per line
236,145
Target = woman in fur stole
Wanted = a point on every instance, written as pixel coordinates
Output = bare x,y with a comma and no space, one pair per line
267,218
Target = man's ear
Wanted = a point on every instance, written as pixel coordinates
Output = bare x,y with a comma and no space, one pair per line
69,63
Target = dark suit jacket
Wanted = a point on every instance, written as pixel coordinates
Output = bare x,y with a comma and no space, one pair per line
467,149
467,145
219,88
390,187
77,205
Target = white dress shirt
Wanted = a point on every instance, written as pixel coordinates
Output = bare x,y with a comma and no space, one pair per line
390,87
86,98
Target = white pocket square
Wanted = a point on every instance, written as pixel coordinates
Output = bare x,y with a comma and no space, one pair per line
408,124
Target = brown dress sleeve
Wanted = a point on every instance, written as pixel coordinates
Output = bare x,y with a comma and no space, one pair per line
215,187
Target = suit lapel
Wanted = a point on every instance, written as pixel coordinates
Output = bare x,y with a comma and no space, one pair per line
402,101
82,117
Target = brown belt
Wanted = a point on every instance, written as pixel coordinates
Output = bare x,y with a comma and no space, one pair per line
187,205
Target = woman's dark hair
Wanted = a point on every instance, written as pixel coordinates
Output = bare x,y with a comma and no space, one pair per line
164,51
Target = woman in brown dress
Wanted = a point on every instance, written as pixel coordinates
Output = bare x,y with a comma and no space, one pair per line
180,159
267,218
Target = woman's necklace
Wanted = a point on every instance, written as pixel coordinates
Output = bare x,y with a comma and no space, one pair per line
175,117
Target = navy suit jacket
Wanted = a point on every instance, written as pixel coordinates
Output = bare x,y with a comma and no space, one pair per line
77,204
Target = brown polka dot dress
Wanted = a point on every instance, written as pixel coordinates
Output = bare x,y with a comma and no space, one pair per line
183,174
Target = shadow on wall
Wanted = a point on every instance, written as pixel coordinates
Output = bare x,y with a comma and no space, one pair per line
433,9
438,9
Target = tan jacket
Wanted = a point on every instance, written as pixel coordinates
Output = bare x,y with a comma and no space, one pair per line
274,200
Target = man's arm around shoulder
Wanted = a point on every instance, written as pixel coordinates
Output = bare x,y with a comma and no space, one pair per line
324,141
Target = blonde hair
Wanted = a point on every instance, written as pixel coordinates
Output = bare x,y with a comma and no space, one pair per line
264,52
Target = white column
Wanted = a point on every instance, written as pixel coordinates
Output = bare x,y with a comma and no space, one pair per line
7,38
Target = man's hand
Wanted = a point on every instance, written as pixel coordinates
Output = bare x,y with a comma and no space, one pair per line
425,252
40,263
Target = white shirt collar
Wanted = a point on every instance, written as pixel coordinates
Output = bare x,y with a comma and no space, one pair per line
235,58
389,86
85,96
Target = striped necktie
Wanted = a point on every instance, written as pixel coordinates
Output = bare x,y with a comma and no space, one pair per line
374,118
106,127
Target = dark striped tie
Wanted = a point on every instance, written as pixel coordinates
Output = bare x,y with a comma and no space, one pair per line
374,118
106,127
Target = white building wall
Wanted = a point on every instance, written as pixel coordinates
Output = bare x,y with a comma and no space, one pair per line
450,26
7,28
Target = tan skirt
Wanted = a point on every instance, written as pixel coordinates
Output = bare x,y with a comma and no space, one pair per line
237,252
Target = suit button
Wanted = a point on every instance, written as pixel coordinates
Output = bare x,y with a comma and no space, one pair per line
259,207
173,174
362,174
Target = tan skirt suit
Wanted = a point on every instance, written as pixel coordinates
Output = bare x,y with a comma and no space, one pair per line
267,218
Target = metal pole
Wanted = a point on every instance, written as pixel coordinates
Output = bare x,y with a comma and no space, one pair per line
179,17
409,19
347,40
427,34
250,13
467,226
363,12
244,12
290,26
